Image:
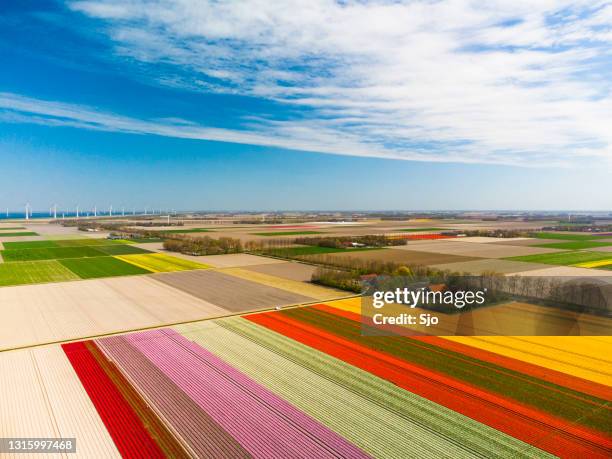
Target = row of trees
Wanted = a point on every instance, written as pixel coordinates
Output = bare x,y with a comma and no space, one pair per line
590,295
203,245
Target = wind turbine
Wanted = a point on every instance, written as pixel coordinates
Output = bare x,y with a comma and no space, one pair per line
145,211
77,212
95,211
28,211
55,211
110,211
123,211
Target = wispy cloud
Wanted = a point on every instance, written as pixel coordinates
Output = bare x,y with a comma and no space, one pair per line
517,82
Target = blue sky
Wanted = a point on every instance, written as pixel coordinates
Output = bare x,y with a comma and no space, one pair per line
351,105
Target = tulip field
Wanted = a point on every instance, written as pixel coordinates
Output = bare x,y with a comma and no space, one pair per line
305,382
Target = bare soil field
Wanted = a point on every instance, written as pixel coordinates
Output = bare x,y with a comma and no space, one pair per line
470,249
307,289
229,292
600,249
488,265
36,314
42,396
526,242
288,270
216,261
569,271
21,238
487,240
406,256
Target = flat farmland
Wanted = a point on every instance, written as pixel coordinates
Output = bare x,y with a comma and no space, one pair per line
43,396
121,249
94,267
414,257
286,270
29,245
576,245
493,240
307,289
601,249
18,234
564,258
228,261
490,265
470,249
567,236
229,292
315,250
287,233
526,241
87,242
50,253
570,272
159,262
34,272
36,314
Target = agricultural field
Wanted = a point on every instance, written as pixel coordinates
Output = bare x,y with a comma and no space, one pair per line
19,234
601,264
188,230
568,236
489,265
397,255
438,397
564,258
50,253
159,262
29,245
287,233
44,313
32,272
416,230
287,270
121,249
477,250
230,292
290,252
68,259
102,267
576,245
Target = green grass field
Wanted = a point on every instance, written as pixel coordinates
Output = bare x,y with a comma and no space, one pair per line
416,230
575,245
161,263
567,237
287,233
120,249
32,272
11,228
563,258
91,268
29,245
50,253
87,242
143,240
25,233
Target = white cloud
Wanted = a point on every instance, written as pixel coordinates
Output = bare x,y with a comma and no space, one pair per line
513,82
